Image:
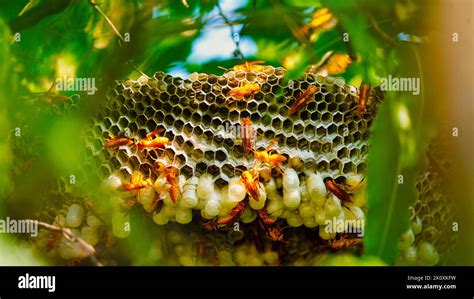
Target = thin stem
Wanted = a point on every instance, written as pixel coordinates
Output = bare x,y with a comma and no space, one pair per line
87,249
92,2
232,32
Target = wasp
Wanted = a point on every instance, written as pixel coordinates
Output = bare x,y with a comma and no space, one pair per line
338,244
262,156
234,214
128,204
265,218
248,138
250,66
251,183
337,189
151,142
116,142
303,99
274,233
172,178
322,19
337,63
363,99
213,225
272,160
136,182
244,91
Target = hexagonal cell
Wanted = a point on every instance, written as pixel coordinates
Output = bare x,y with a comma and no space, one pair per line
164,97
362,167
348,167
284,111
273,109
316,146
228,169
298,128
343,153
201,168
303,144
188,146
323,166
187,171
276,124
315,116
234,115
327,147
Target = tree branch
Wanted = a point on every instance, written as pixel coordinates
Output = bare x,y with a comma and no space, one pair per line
87,250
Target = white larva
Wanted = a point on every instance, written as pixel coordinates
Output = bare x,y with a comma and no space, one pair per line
115,202
248,216
332,206
160,218
160,185
290,180
75,215
355,180
320,215
90,235
181,182
68,250
310,222
360,198
226,203
191,183
286,213
205,215
60,220
169,202
184,215
291,198
279,182
316,188
120,224
146,196
237,190
262,197
212,207
294,220
325,233
358,214
275,208
256,205
190,198
304,191
306,210
93,221
205,187
271,189
168,211
112,183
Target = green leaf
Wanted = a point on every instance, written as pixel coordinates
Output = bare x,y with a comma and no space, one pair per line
388,200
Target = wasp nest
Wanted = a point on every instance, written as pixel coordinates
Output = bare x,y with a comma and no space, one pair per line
200,120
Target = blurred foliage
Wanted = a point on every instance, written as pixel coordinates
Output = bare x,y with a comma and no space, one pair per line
60,37
13,253
347,259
